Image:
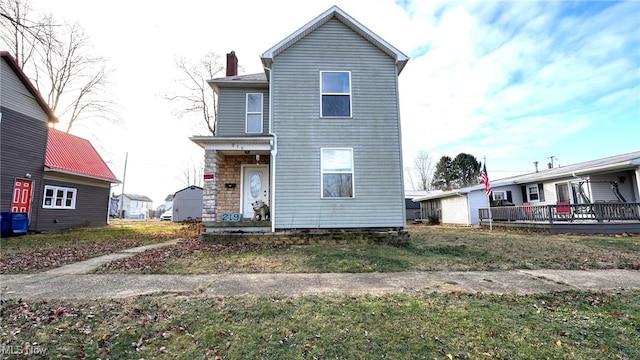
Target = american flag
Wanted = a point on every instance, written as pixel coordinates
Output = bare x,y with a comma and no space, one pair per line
485,180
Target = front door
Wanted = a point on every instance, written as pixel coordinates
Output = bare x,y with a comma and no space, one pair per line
255,186
22,192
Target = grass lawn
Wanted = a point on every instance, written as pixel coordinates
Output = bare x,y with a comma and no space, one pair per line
415,325
32,253
431,248
575,325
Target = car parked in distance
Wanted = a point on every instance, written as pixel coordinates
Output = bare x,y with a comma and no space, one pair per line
167,215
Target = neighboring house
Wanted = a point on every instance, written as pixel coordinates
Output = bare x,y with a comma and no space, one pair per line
187,203
412,208
316,136
77,184
58,179
135,206
25,119
610,179
24,123
167,205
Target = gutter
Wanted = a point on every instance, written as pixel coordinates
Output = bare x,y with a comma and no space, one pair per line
274,155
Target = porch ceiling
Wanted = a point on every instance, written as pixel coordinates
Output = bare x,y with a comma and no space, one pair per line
235,145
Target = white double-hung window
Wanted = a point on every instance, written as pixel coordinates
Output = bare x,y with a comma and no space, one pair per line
254,114
337,173
335,93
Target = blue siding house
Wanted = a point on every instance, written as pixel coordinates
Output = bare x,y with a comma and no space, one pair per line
316,136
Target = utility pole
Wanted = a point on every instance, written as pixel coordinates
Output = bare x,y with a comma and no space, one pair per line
124,176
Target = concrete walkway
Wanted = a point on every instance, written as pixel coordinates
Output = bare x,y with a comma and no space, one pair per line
78,281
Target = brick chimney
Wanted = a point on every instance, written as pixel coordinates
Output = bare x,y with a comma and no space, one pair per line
232,64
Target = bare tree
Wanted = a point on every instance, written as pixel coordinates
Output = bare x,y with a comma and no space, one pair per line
423,170
18,32
60,62
198,96
193,172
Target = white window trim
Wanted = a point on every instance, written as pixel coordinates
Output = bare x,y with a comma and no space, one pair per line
63,202
533,186
352,172
350,93
247,113
504,194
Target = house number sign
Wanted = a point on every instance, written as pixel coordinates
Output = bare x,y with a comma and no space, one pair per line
230,217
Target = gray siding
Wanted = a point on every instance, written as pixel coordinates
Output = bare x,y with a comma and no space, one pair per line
14,95
187,203
373,132
92,205
23,140
232,111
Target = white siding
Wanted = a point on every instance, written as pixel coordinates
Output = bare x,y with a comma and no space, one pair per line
601,187
455,210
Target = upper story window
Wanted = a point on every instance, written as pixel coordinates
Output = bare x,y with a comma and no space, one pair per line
337,173
335,90
56,197
254,114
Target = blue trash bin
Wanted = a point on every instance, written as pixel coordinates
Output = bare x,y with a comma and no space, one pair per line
14,223
20,223
7,228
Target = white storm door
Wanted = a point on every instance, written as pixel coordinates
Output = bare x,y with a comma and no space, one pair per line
255,186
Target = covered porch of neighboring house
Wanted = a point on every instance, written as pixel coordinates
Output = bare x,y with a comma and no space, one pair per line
237,174
588,218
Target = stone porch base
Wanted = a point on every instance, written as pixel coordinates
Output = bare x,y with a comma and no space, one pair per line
237,234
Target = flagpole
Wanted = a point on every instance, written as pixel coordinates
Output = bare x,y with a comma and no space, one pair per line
487,191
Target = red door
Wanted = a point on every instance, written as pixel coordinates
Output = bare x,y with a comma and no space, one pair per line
22,191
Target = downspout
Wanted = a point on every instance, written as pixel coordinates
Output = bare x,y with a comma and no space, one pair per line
404,208
274,154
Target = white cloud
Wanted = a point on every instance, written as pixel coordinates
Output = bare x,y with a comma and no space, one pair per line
505,79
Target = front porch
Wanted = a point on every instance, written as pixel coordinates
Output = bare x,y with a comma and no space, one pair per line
592,218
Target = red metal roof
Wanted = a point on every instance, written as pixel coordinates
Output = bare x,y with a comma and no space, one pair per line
74,155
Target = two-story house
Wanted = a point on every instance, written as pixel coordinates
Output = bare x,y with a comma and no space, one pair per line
57,179
316,136
25,118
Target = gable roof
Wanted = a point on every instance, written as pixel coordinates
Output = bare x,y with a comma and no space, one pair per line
70,154
13,64
591,167
137,197
335,13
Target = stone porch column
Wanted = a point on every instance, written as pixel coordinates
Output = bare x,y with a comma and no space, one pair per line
211,188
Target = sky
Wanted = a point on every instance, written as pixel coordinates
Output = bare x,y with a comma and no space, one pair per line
510,81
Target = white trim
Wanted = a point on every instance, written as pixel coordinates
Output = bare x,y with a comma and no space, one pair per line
247,113
352,172
63,200
243,167
335,12
503,192
350,94
533,186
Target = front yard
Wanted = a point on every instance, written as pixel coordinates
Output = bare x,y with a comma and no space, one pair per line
411,325
432,248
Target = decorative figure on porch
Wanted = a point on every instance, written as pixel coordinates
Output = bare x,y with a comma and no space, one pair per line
260,211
